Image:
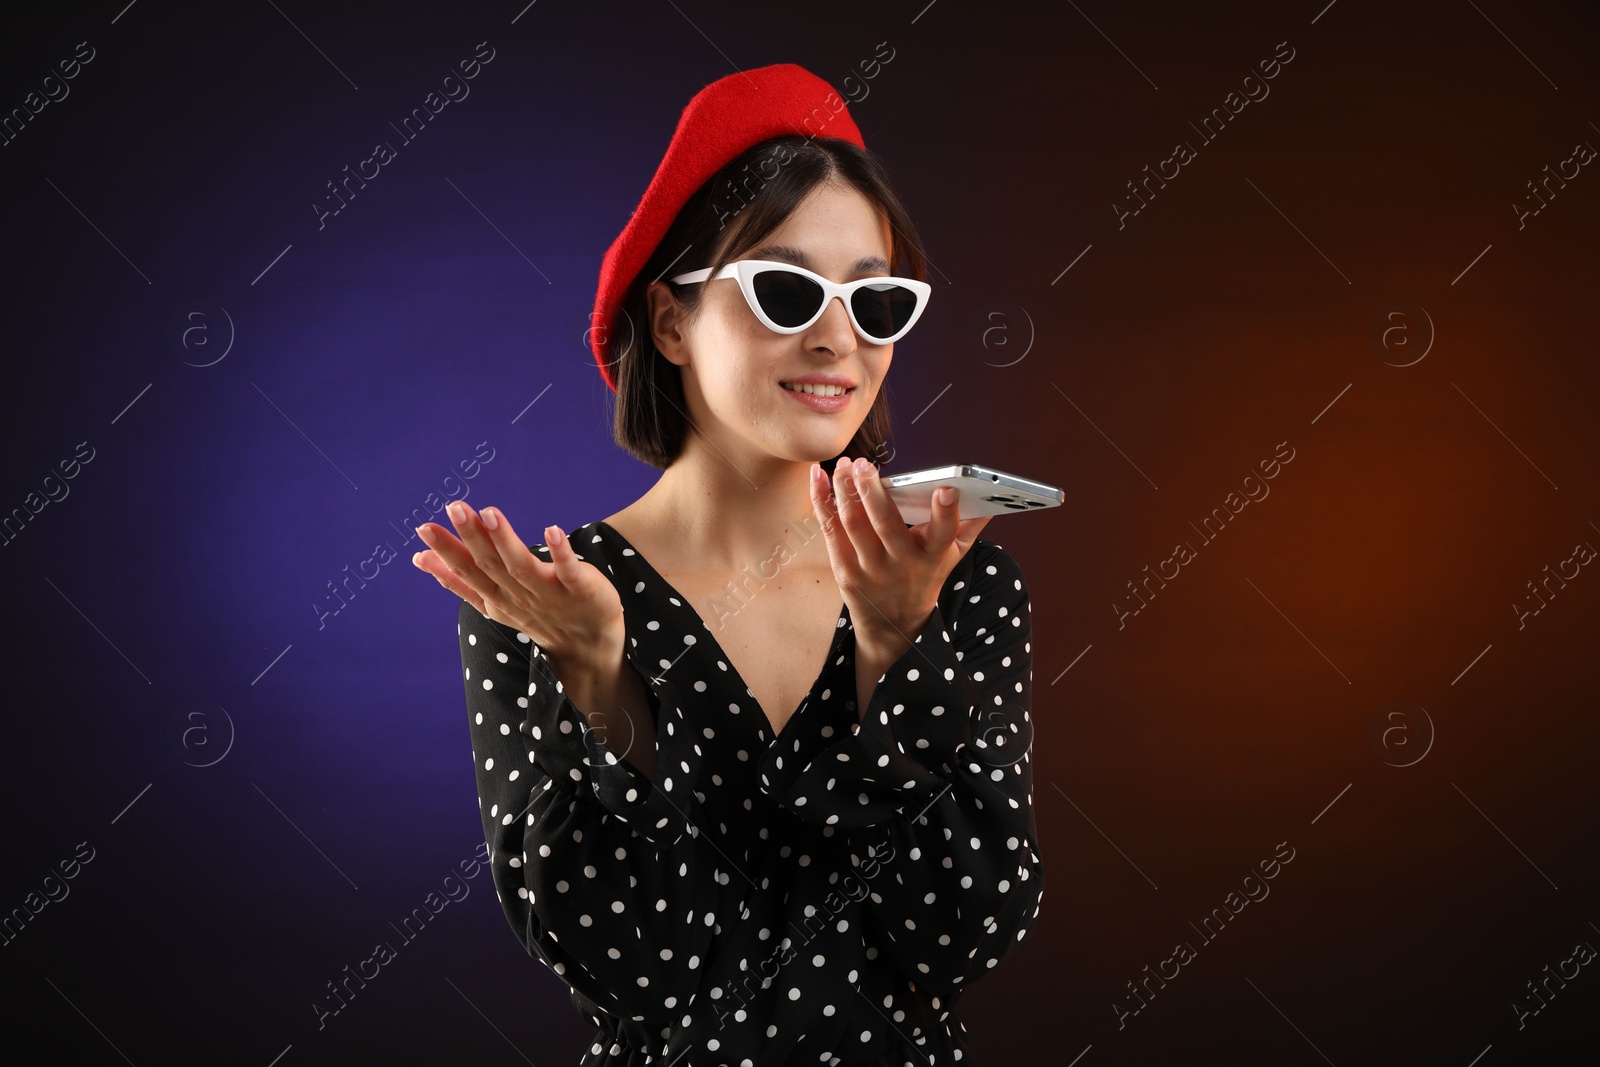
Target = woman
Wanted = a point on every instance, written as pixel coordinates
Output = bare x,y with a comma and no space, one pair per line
752,755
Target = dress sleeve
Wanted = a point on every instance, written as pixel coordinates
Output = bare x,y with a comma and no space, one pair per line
603,876
933,787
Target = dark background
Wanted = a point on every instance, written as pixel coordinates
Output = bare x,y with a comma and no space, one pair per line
267,785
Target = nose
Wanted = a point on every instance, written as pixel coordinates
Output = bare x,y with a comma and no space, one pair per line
834,330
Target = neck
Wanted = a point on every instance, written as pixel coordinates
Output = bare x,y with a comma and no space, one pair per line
723,511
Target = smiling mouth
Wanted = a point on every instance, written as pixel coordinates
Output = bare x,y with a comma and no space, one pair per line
818,390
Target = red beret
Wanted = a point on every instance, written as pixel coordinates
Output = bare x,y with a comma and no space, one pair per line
721,121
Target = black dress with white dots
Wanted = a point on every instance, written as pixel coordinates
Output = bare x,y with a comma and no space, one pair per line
822,896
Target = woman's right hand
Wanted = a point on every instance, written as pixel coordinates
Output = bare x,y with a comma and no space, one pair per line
566,606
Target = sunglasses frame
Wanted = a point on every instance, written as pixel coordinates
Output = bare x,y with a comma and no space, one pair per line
745,270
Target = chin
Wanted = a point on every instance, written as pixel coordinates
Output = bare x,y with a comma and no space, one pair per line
812,451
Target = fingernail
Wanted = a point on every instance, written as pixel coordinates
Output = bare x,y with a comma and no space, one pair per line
414,557
458,511
553,538
426,535
490,518
862,465
947,496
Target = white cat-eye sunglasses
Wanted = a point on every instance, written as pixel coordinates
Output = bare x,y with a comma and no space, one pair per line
788,299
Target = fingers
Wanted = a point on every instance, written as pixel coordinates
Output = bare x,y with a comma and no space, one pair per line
568,567
429,563
490,560
966,533
475,566
880,510
512,561
468,558
863,536
840,552
935,534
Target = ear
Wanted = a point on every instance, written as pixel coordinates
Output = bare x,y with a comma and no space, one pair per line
665,314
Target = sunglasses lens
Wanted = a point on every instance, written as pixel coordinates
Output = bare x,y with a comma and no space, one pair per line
792,300
788,299
883,310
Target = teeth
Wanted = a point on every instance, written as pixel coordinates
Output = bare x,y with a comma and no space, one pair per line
819,390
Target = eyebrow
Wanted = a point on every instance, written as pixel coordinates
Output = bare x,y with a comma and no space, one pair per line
787,254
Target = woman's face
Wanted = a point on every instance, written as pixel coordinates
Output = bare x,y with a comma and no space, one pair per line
733,365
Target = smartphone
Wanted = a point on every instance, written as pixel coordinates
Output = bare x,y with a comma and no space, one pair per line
979,491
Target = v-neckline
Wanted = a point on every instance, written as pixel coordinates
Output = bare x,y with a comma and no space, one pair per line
840,624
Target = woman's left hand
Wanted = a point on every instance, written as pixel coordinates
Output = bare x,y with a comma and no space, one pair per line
890,576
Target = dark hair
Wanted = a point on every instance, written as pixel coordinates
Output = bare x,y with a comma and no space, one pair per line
726,217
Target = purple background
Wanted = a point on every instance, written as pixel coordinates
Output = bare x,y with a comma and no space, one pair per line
174,587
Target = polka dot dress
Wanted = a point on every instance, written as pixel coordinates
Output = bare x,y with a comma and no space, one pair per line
822,896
